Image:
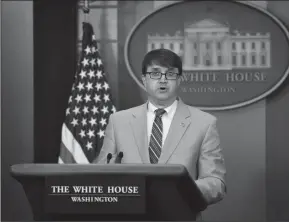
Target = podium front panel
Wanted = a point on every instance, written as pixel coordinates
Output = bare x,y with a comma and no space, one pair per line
88,194
92,192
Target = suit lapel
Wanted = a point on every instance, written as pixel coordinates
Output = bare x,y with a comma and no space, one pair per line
139,128
178,127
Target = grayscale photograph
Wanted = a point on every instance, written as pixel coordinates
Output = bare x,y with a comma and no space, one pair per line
144,110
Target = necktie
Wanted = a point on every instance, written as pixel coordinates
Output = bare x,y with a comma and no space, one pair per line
155,145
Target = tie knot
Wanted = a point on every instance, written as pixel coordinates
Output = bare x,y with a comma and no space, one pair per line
160,112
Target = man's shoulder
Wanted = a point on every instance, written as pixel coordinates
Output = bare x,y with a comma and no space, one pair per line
201,115
127,112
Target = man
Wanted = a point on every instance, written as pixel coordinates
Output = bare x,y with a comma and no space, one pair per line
165,130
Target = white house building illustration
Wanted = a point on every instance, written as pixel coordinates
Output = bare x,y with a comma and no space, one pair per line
208,44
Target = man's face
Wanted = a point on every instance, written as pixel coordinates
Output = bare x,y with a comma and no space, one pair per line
161,90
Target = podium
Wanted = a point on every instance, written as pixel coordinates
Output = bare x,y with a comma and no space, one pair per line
112,192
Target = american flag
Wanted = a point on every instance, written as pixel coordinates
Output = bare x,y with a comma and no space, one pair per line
89,106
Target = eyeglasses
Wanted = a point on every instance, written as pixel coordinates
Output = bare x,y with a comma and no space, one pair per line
158,75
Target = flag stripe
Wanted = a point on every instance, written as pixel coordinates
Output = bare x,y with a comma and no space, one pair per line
66,155
72,145
60,160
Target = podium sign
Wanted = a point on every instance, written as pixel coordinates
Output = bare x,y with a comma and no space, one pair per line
110,192
88,194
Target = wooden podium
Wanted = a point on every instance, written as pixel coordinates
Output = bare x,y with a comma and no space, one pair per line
113,192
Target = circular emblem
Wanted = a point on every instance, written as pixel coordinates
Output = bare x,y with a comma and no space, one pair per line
233,53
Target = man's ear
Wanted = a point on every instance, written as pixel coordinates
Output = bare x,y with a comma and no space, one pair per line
179,80
143,80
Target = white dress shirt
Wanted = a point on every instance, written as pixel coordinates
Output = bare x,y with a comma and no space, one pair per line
166,118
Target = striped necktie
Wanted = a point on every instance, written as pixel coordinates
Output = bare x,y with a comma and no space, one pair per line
155,145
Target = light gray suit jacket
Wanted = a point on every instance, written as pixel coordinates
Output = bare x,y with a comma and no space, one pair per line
192,141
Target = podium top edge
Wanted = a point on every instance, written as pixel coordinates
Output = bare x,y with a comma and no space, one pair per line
105,169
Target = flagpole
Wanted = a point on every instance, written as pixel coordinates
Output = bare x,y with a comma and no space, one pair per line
86,10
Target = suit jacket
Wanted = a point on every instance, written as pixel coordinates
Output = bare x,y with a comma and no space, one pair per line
192,141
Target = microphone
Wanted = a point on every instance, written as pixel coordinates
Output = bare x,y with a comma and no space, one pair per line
108,157
119,157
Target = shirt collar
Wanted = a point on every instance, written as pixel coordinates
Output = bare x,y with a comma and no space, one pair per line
170,110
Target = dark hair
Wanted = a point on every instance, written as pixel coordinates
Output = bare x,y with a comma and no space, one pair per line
162,57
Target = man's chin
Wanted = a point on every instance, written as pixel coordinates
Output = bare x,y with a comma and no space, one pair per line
164,98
